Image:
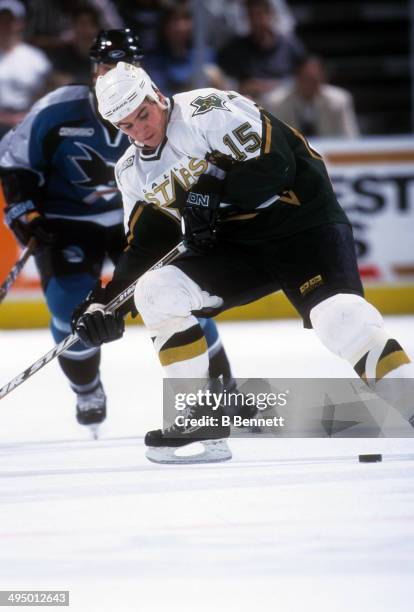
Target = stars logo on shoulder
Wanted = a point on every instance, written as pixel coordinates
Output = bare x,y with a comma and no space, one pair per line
204,104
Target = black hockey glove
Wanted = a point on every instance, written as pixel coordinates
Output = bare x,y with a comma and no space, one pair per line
200,214
93,325
26,222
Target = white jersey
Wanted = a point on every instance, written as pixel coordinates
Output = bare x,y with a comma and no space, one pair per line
23,72
200,122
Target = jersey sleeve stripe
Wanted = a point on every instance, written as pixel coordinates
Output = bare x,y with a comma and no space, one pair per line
267,136
133,221
311,151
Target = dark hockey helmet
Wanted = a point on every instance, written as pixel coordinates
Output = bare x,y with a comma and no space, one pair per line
113,46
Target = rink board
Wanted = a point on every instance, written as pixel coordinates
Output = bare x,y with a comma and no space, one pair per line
26,314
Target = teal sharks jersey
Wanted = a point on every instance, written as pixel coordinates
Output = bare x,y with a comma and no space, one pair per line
73,154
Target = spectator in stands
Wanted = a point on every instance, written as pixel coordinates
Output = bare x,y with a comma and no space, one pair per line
173,66
311,105
71,62
142,16
265,57
23,68
49,21
224,20
109,16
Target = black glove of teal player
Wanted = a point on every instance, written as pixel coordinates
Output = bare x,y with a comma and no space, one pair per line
21,192
26,222
93,325
200,214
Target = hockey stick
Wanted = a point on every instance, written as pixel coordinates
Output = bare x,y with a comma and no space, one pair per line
16,269
113,305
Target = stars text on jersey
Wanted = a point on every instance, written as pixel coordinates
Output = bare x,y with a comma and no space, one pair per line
165,190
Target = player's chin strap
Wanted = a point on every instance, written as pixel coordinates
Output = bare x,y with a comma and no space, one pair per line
113,305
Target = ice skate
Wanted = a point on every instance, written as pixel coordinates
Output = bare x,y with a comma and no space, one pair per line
91,409
195,425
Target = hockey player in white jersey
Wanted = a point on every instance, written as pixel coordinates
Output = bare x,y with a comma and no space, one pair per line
259,214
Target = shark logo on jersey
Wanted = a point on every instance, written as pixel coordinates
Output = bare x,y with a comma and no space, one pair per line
97,172
204,104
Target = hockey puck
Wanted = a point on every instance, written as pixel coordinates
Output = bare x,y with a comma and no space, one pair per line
369,458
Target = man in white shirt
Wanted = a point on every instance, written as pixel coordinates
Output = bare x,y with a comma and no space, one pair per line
23,68
312,106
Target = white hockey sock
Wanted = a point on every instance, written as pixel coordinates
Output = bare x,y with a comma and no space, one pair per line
388,370
354,329
182,348
384,357
397,389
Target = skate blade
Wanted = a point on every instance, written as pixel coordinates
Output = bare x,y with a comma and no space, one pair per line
215,451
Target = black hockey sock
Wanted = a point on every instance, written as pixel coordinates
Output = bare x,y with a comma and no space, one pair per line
220,366
83,374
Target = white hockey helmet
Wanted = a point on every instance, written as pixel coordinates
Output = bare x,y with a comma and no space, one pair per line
122,90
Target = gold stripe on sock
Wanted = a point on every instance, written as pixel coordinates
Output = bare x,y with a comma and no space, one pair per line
391,362
182,353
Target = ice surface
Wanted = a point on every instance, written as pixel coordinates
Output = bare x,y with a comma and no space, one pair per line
287,525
